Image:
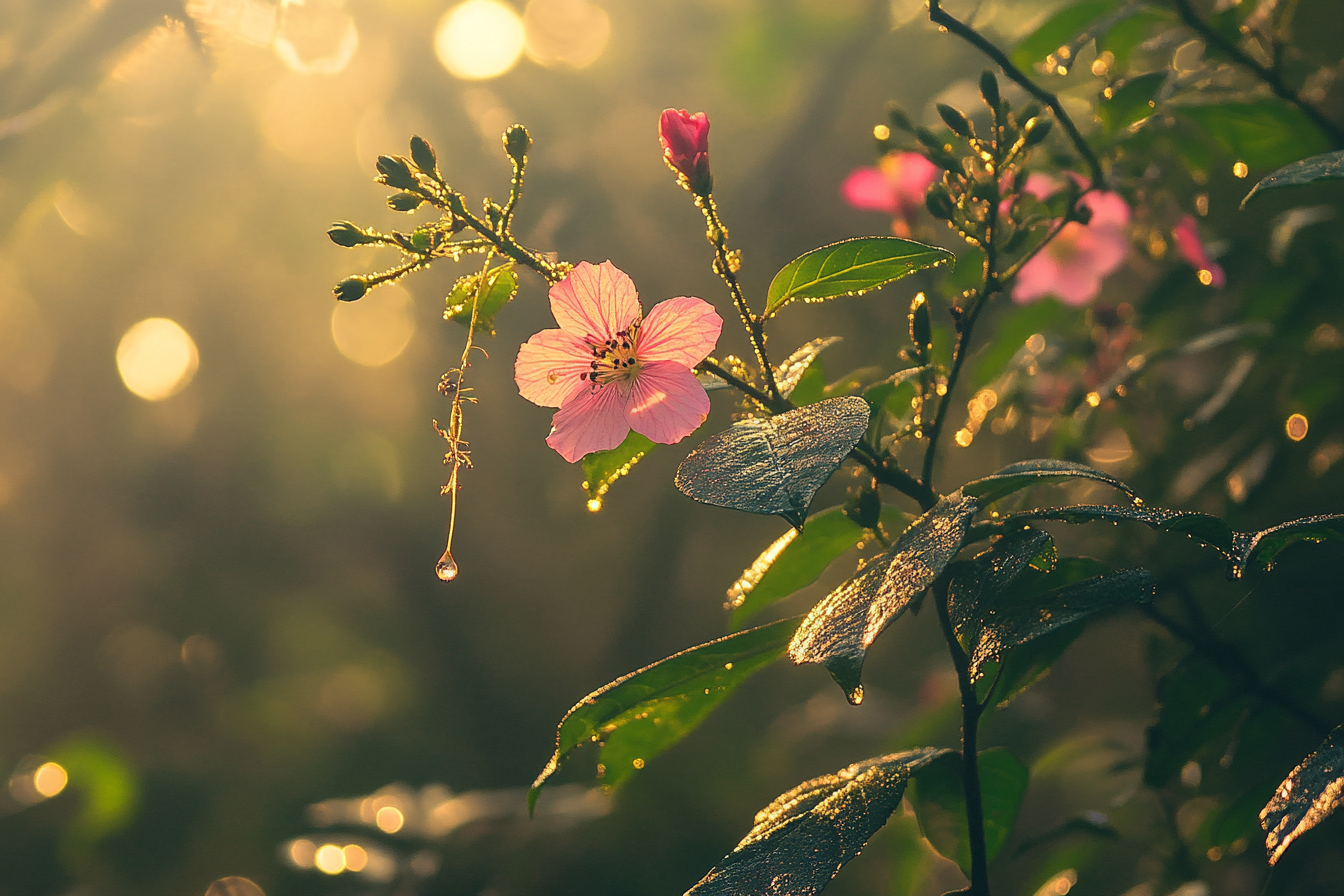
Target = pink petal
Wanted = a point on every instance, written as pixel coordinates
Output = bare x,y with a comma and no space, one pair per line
1101,249
1035,279
869,190
592,420
1077,284
667,403
1108,209
683,329
1219,276
548,367
1188,243
595,301
911,175
1042,186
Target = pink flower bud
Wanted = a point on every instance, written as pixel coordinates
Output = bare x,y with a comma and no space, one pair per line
685,140
1192,249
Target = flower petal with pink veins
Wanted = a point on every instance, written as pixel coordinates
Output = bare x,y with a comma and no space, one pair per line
592,420
684,329
868,189
667,403
548,367
597,300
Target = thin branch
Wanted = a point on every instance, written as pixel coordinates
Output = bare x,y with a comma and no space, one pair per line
1270,76
940,16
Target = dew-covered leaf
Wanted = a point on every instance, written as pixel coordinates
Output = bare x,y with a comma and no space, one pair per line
839,630
850,267
940,803
975,586
800,841
797,559
1202,527
641,714
790,373
774,464
1018,476
1027,612
1326,166
501,285
1131,102
1306,797
1257,550
602,468
1198,703
1025,665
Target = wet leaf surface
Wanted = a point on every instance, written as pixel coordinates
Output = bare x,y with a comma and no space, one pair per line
796,559
801,840
1326,166
790,373
1018,476
1202,527
1306,797
641,714
602,468
977,583
850,267
501,285
839,630
774,464
1258,550
940,803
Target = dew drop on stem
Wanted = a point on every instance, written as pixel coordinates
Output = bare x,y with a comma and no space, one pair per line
446,568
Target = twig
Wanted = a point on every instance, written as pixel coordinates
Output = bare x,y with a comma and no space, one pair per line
1270,76
940,16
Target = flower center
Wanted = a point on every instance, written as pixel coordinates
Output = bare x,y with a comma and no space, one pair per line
615,360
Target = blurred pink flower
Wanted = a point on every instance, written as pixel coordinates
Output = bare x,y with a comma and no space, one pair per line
1191,248
896,187
609,370
1075,262
685,140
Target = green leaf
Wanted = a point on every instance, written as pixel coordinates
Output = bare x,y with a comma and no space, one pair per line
1264,134
501,285
797,559
1011,330
974,589
940,802
789,374
602,468
1198,703
1026,612
1018,476
850,267
1202,527
839,630
1059,30
1257,550
640,715
1326,166
1122,37
1132,102
106,783
800,841
1023,666
1306,797
775,464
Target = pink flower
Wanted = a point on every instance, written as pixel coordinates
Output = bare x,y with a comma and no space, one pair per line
685,140
1075,262
896,187
610,370
1191,248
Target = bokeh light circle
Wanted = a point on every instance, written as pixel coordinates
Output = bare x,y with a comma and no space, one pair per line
479,39
375,329
157,358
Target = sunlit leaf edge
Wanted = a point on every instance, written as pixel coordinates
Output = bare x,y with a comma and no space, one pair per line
784,288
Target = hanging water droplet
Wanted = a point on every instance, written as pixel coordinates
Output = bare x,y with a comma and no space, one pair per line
446,568
855,697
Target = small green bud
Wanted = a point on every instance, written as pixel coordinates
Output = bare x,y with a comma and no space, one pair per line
899,120
351,288
423,156
1029,111
989,91
863,505
420,239
921,328
939,202
936,151
456,205
955,121
493,213
1037,130
517,141
404,202
343,233
395,172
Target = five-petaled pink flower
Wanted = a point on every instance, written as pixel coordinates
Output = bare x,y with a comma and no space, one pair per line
610,370
685,140
1075,262
1191,248
896,187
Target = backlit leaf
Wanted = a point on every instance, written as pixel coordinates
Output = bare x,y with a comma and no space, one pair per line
501,285
1202,527
1326,166
1265,134
1131,102
641,714
774,464
1018,476
1306,797
602,468
1257,550
790,373
801,840
1059,30
839,630
850,267
940,802
796,559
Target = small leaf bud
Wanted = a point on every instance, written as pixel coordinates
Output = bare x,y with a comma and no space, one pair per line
863,505
351,288
1037,130
921,328
404,202
517,141
939,202
396,172
343,233
423,156
955,121
989,91
899,120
